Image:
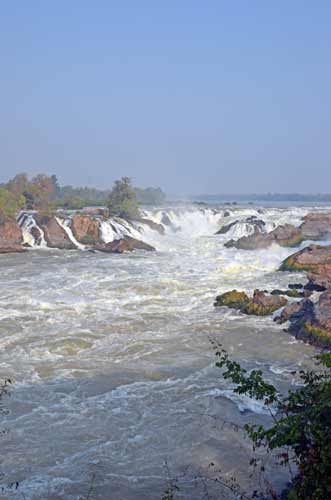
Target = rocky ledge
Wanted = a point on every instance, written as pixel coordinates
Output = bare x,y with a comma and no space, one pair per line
315,226
261,304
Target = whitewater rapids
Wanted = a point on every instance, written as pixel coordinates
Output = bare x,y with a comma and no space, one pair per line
110,354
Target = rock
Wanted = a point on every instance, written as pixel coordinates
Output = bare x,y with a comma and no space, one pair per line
251,242
11,238
294,311
233,299
55,235
263,304
153,225
310,322
308,259
259,224
86,229
226,213
316,226
291,293
225,229
286,235
295,286
260,305
127,244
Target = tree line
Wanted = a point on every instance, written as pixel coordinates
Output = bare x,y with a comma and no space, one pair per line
45,194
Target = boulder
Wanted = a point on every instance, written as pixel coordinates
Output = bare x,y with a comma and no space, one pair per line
308,259
263,304
316,226
11,238
127,244
233,299
55,235
251,242
86,229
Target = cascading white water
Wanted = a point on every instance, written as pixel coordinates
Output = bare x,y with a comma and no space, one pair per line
27,222
65,226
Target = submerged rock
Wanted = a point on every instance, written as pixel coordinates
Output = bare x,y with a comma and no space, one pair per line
127,244
294,293
261,304
11,238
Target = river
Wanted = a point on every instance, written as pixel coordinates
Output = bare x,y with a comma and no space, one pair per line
114,373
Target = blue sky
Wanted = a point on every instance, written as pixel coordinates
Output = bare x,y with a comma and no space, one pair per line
213,97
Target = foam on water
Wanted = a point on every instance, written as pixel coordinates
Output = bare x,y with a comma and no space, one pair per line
112,361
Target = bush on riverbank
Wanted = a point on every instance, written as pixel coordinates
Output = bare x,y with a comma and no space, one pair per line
301,430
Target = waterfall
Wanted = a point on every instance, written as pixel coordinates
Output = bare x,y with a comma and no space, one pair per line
65,226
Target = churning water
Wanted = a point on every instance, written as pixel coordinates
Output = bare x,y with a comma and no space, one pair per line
113,368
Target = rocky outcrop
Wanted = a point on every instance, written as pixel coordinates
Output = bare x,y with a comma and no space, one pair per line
310,321
85,229
261,304
308,259
286,235
127,244
11,238
316,226
55,235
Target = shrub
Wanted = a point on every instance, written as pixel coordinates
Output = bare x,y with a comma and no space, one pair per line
301,423
122,201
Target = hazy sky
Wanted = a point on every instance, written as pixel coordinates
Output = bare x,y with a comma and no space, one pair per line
194,96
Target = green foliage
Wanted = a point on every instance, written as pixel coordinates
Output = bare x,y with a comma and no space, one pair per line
302,423
10,204
122,201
